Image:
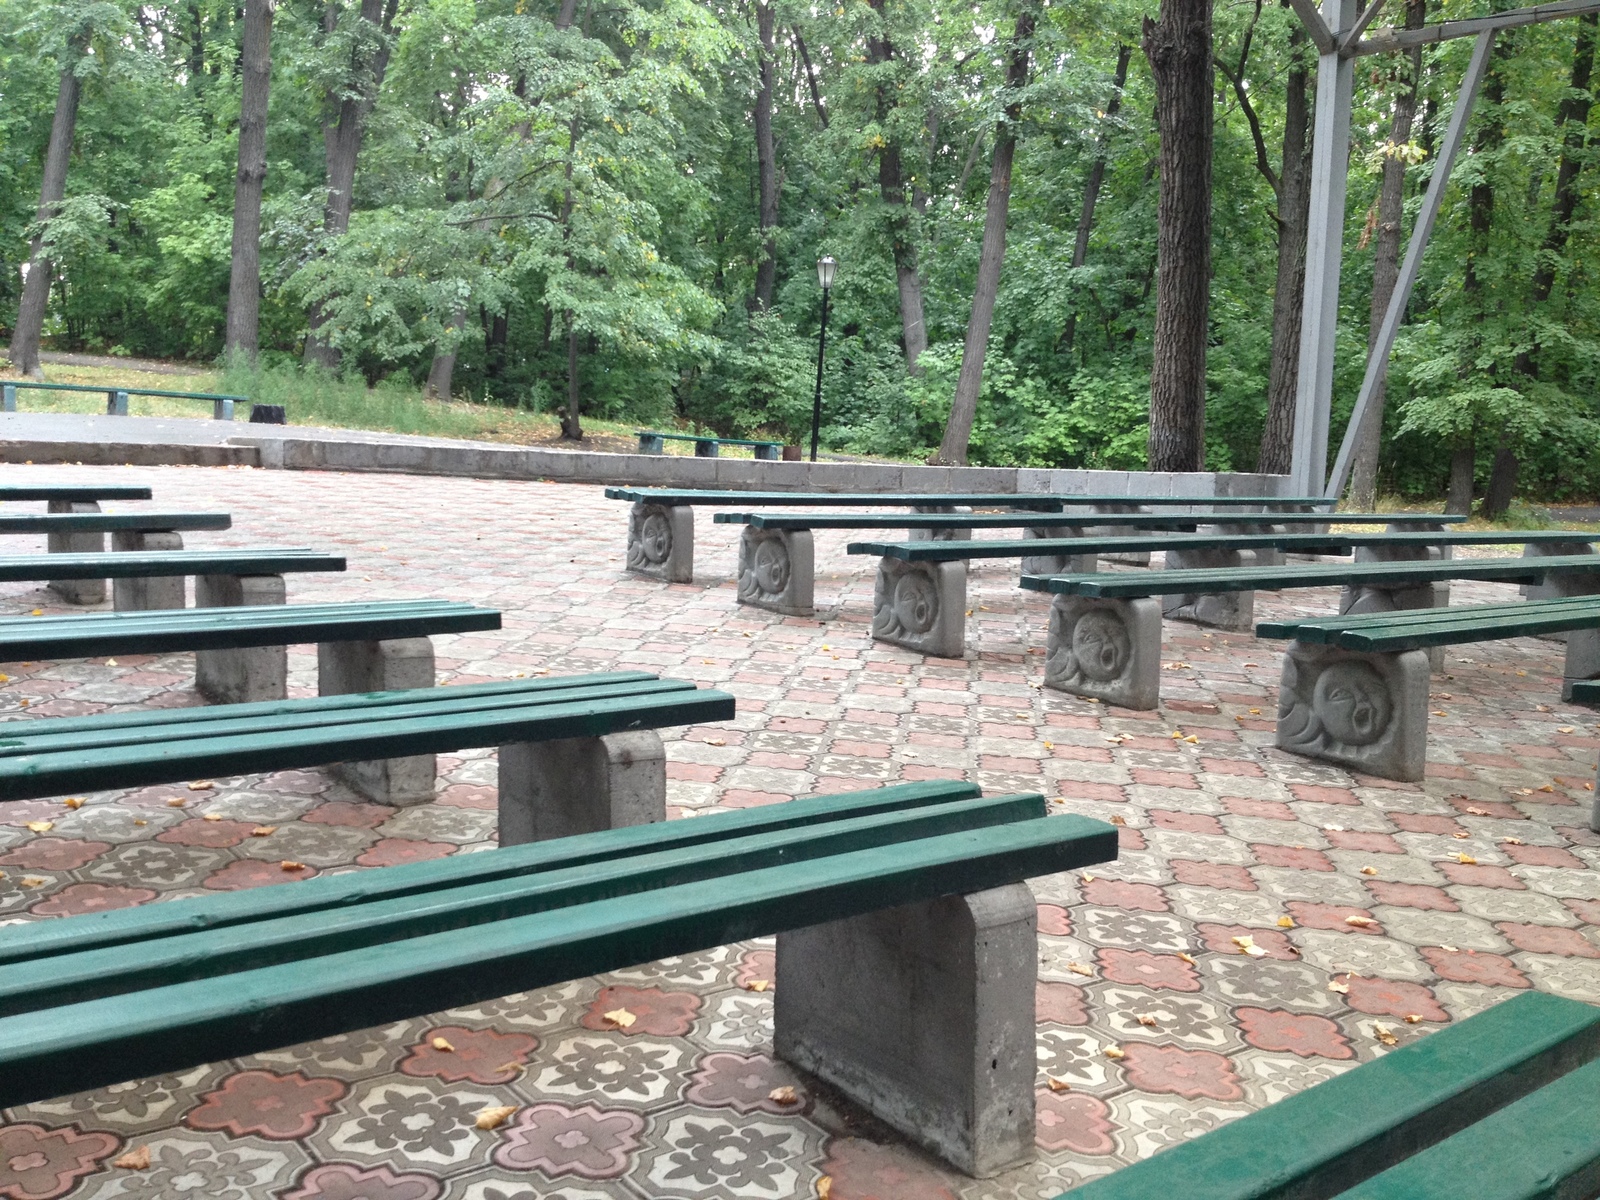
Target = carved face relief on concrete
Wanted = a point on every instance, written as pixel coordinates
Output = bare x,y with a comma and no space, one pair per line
1364,710
914,605
1100,644
1352,702
763,570
920,606
1107,649
649,538
776,570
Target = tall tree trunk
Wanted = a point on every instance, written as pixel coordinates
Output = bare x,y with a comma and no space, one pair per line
892,191
1463,460
766,162
572,422
24,353
496,330
1386,267
244,277
1178,46
442,372
991,257
811,77
1097,178
342,146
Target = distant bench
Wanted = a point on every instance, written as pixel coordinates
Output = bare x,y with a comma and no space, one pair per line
1354,689
704,446
906,941
83,532
72,493
777,557
1500,1106
920,598
117,397
222,577
1105,636
661,524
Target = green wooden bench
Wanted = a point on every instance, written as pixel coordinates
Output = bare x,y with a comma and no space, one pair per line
98,522
940,1042
76,500
117,397
1355,687
1500,1106
920,599
217,574
69,493
777,557
661,523
1104,638
83,532
705,446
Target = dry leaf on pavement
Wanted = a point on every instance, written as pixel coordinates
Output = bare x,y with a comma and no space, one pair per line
783,1095
137,1159
620,1017
494,1116
442,1044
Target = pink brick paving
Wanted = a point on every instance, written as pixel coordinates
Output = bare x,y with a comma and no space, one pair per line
1224,837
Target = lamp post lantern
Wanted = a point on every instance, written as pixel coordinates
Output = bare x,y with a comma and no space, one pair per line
826,266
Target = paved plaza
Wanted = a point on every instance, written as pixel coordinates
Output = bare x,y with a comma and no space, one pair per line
1271,922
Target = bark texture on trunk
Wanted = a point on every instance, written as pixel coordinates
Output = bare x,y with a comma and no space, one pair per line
1178,46
892,191
1463,461
572,421
24,353
991,256
1288,297
341,136
442,372
1386,267
244,276
1096,180
766,161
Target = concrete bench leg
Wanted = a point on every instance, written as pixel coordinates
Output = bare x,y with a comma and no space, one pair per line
661,542
1224,610
248,674
1365,598
381,666
923,1015
1106,649
1368,712
922,606
1055,564
77,591
581,785
1131,558
777,570
141,595
940,535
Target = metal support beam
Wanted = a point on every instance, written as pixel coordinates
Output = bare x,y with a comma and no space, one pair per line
1404,39
1321,36
1378,360
1319,322
1351,36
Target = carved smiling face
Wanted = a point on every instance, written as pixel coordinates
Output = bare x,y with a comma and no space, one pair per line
1101,645
1352,702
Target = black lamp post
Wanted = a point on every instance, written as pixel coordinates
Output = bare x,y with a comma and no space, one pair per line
825,269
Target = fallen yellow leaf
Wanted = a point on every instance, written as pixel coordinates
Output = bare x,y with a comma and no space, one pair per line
1384,1034
1335,986
73,802
1148,1020
1088,877
33,881
38,612
1285,922
264,831
1467,859
757,985
620,1017
1547,788
1057,1085
494,1116
41,826
1565,729
137,1159
1360,922
1118,821
825,1187
1192,740
1369,870
176,802
1413,1018
1187,957
443,1045
783,1095
289,864
1461,837
1114,1052
1248,945
201,785
211,817
1077,968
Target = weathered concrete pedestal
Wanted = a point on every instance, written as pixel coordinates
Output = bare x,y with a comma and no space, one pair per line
154,592
1368,712
1055,564
939,535
1224,610
924,1015
581,785
76,591
661,541
777,571
1106,649
1131,558
381,666
254,672
921,606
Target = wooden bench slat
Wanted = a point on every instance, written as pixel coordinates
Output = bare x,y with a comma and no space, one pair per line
1159,521
1441,627
81,493
102,1041
30,776
128,564
1544,1147
62,980
1340,542
126,926
1048,501
111,522
1333,1135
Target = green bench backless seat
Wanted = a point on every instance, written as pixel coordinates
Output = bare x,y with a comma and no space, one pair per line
80,576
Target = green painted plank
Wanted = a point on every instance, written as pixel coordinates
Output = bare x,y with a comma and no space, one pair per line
110,522
80,493
90,931
26,639
1544,1147
21,568
31,776
1052,500
112,387
1319,543
1168,521
119,970
1332,1136
1587,692
1117,584
1460,613
99,1042
1386,632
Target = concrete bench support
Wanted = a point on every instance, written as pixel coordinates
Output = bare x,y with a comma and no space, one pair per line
1368,712
1055,564
1224,610
923,1015
379,666
581,785
242,675
77,591
921,606
661,542
1131,558
940,535
1106,649
777,570
152,592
